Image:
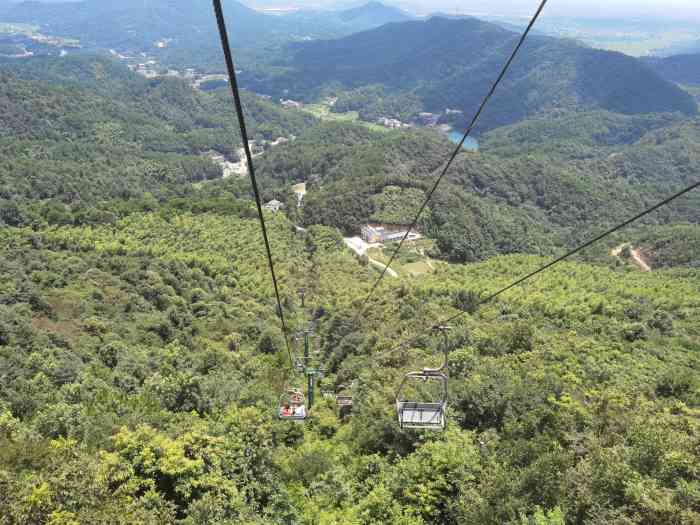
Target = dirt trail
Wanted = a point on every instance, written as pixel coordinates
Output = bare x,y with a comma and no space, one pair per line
360,247
381,266
636,256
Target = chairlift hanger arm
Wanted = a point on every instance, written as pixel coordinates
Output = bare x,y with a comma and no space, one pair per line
436,371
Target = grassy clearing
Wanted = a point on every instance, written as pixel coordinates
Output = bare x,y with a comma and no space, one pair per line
323,112
410,263
417,268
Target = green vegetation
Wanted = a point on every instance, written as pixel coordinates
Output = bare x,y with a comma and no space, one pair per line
682,69
520,193
137,388
575,136
100,132
396,205
142,361
669,246
324,112
373,103
132,27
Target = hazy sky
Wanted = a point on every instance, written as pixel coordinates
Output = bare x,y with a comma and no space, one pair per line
673,9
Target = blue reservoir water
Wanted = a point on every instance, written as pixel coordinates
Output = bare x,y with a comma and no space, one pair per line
470,144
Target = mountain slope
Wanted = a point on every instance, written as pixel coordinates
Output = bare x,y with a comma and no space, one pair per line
504,199
70,137
682,69
452,63
130,24
187,28
145,356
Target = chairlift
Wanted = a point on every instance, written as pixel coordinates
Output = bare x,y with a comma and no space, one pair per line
292,405
343,399
421,414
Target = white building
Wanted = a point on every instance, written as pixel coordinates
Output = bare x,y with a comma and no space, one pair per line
274,206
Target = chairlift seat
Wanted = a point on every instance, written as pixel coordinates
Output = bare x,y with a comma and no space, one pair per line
421,415
343,401
428,415
297,414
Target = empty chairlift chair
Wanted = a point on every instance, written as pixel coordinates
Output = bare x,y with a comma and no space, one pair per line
292,406
428,414
343,399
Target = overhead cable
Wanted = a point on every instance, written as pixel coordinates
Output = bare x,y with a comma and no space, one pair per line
233,82
544,268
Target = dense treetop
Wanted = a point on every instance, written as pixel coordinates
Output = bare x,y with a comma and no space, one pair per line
143,364
683,69
521,192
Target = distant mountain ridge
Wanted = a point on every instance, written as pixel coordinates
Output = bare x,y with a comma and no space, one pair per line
189,25
376,12
138,23
451,63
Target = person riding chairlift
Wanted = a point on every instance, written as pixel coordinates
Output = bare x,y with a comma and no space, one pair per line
287,411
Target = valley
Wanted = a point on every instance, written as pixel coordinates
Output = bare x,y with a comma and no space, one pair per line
152,371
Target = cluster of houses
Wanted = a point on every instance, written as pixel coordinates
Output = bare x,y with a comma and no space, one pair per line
146,69
425,119
392,123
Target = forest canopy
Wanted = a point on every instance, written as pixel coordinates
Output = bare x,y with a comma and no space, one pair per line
143,363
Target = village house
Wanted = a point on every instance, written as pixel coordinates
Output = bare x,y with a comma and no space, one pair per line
391,123
274,206
291,104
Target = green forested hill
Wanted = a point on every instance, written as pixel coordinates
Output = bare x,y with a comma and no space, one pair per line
682,69
104,133
574,136
142,364
133,24
530,195
452,64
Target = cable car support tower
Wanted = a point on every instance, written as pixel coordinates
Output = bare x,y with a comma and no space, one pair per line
303,365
